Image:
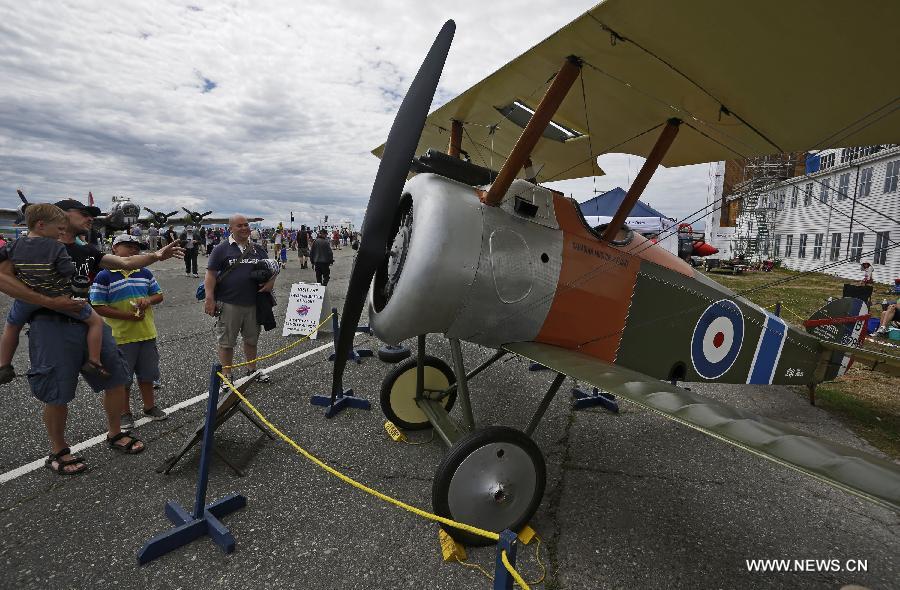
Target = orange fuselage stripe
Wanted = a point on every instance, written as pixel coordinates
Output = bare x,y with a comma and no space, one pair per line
596,282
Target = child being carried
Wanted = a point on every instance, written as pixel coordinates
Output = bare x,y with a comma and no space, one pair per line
42,263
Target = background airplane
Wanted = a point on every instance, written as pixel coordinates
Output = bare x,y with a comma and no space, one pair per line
125,213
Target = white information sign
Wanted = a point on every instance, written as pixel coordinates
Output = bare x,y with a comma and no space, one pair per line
304,309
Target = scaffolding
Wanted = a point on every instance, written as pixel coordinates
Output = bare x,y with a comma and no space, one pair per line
759,210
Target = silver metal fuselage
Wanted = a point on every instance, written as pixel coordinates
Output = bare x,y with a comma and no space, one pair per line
473,272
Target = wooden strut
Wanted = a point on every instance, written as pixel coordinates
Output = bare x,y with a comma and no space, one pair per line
455,138
548,106
640,182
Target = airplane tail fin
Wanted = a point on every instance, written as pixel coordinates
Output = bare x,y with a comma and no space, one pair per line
839,327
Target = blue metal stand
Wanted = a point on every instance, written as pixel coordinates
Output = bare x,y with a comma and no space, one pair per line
597,398
341,401
537,367
356,354
205,519
502,578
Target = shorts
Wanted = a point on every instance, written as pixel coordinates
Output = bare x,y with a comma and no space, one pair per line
303,252
20,312
234,320
141,359
57,348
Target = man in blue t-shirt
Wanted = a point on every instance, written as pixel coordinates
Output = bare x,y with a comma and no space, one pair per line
231,293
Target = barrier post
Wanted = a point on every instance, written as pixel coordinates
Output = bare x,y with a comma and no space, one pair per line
503,580
356,354
343,398
205,518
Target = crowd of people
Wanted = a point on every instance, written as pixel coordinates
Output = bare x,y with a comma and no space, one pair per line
89,307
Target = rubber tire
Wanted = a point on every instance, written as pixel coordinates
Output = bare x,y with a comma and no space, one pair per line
387,386
462,449
393,355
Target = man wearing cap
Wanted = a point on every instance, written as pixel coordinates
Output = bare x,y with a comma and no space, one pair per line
56,343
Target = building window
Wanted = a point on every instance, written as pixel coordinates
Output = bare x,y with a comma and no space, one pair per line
890,177
865,182
881,245
843,186
807,194
781,196
794,193
777,245
764,203
826,161
835,246
788,245
824,187
801,249
856,246
817,246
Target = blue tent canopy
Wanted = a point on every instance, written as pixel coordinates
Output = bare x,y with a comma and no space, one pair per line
607,204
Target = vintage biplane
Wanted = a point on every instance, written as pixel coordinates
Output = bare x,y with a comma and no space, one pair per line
497,259
125,213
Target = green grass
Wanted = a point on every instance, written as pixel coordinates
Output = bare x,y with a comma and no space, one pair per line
872,421
800,297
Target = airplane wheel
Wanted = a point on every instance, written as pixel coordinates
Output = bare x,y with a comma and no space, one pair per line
393,354
398,391
493,479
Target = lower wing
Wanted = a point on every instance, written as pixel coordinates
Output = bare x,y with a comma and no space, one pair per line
859,473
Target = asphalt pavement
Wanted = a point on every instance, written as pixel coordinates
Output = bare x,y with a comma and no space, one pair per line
633,500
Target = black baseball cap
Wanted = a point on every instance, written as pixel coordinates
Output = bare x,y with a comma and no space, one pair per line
72,204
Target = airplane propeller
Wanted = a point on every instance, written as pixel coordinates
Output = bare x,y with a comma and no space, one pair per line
195,216
386,190
160,218
20,219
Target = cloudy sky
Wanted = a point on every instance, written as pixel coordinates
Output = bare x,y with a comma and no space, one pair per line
257,107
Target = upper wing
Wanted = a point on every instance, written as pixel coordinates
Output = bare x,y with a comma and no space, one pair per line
854,471
218,220
741,75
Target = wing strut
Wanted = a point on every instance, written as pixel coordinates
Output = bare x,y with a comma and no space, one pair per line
560,86
640,182
456,130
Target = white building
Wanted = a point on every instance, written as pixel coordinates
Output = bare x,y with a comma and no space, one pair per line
844,211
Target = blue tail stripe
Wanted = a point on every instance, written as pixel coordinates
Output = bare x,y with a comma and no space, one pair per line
768,351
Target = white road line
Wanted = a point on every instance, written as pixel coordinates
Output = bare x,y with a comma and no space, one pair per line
38,463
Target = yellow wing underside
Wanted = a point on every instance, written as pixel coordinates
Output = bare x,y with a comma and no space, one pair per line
747,79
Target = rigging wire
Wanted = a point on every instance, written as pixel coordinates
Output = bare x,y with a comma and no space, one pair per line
587,121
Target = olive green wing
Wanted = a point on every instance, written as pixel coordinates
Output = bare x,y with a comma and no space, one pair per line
859,473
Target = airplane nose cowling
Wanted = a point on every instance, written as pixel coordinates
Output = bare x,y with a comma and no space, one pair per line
432,261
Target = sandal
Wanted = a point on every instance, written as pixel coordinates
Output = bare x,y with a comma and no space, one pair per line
127,448
93,369
61,463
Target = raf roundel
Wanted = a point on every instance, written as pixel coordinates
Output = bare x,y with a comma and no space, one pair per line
717,339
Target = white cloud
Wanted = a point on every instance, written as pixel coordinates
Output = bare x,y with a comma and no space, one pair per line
118,98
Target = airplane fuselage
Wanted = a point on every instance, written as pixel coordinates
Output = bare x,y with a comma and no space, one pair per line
531,269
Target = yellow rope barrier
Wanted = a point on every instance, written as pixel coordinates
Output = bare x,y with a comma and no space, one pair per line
465,527
537,556
277,352
512,571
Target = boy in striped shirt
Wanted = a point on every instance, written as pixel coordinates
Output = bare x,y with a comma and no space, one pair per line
125,298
